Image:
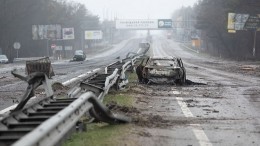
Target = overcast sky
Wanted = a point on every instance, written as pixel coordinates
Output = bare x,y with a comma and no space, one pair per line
134,9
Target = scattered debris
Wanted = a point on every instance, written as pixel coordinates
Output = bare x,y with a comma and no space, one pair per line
190,100
117,108
2,77
144,134
248,68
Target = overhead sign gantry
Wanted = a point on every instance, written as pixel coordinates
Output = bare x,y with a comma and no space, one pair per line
144,24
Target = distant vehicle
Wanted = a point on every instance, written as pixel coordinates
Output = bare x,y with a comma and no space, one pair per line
161,70
79,55
3,59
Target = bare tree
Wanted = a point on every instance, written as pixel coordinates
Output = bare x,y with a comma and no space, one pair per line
17,18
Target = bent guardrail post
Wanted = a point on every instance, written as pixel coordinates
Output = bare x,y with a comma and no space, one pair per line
102,113
133,63
123,79
100,85
124,68
110,81
81,77
34,80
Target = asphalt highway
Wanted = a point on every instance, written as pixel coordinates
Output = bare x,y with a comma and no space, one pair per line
222,108
11,89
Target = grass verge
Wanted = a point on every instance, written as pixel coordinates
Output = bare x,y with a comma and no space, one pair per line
98,134
104,134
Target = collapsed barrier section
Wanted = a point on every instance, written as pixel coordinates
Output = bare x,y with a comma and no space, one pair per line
51,120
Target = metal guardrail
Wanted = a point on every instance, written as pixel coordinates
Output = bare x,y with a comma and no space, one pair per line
82,77
110,78
54,129
126,67
51,131
57,126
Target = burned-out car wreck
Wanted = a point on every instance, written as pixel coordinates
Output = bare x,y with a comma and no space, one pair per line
161,70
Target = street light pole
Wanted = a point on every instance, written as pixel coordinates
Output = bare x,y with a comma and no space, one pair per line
254,43
82,40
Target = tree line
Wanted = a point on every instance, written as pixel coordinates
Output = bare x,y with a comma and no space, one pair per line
210,19
17,18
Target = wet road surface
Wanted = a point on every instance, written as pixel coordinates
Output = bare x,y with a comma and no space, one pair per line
225,111
12,88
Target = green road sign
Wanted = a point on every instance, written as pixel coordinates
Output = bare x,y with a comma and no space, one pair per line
164,23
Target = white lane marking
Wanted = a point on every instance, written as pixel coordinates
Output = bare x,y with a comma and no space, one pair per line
176,92
201,135
8,109
197,130
186,111
139,50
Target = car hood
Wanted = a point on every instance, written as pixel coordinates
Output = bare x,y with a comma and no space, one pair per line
163,67
158,71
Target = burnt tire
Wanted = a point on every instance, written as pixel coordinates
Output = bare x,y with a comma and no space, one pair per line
182,80
145,80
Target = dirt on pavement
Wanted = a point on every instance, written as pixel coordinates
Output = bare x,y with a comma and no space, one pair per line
217,106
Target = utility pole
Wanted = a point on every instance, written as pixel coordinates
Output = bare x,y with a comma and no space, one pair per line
254,43
82,39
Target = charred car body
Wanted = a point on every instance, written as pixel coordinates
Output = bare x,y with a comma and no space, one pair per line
161,70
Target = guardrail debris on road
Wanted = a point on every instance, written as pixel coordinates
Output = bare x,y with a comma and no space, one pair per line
51,119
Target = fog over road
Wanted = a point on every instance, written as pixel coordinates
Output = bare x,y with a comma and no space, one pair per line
220,108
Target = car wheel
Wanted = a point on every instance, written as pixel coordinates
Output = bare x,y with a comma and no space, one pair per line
146,81
183,79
